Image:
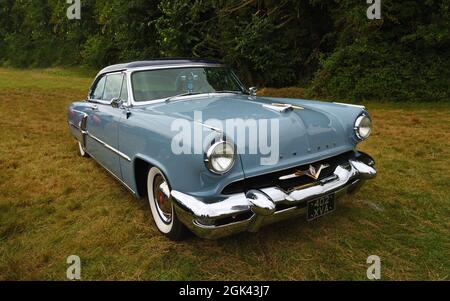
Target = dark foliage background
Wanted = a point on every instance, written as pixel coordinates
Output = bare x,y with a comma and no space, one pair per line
330,47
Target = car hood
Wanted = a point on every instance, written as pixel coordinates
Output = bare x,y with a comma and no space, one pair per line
317,131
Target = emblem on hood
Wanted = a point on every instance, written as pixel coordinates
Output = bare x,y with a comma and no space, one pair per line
283,107
312,172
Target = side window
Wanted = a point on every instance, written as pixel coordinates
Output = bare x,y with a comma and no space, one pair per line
98,92
124,93
112,87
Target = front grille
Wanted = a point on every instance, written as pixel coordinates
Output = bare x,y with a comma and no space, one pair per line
272,179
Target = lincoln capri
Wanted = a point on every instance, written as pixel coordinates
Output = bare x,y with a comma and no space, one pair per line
128,124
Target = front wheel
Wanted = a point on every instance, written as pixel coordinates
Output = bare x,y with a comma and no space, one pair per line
161,206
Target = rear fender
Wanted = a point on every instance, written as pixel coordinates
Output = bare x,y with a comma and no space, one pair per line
77,124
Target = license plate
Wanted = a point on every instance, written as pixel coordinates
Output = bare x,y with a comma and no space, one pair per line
321,206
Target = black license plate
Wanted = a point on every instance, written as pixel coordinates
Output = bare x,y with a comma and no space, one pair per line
321,206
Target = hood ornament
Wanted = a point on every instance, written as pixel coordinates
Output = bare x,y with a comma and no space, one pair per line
312,172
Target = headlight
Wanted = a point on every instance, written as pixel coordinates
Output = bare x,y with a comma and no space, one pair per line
363,127
220,157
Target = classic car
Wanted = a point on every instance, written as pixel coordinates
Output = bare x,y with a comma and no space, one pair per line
129,123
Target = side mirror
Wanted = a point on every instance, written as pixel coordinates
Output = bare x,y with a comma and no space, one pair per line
116,103
252,91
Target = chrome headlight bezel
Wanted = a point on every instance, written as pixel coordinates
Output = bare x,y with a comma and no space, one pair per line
363,121
212,154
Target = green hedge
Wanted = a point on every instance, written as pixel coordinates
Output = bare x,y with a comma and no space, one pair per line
330,47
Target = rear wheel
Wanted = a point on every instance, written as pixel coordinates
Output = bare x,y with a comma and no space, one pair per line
161,206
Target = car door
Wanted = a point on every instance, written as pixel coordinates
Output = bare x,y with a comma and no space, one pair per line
103,123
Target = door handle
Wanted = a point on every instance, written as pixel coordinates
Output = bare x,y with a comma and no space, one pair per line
94,108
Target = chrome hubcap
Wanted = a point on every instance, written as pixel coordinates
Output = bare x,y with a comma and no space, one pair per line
162,202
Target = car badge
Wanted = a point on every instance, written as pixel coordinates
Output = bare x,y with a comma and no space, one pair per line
289,106
282,107
312,172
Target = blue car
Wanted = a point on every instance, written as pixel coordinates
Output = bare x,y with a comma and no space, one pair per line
213,158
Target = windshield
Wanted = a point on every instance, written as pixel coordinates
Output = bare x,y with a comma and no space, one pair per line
165,83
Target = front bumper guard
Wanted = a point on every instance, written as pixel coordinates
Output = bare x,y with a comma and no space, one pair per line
264,206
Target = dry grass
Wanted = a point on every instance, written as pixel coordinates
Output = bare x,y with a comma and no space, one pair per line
54,203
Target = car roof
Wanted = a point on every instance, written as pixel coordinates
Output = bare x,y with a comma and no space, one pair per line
158,63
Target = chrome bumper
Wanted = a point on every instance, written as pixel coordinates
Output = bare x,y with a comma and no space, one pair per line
256,208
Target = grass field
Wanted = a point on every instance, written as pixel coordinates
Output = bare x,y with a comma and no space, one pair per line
54,203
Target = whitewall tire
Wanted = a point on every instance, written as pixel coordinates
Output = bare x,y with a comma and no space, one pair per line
161,206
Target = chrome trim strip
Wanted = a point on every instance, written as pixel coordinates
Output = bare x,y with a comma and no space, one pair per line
282,107
161,67
78,111
74,126
109,147
350,105
279,109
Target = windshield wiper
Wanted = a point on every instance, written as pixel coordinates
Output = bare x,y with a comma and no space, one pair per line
196,93
181,95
